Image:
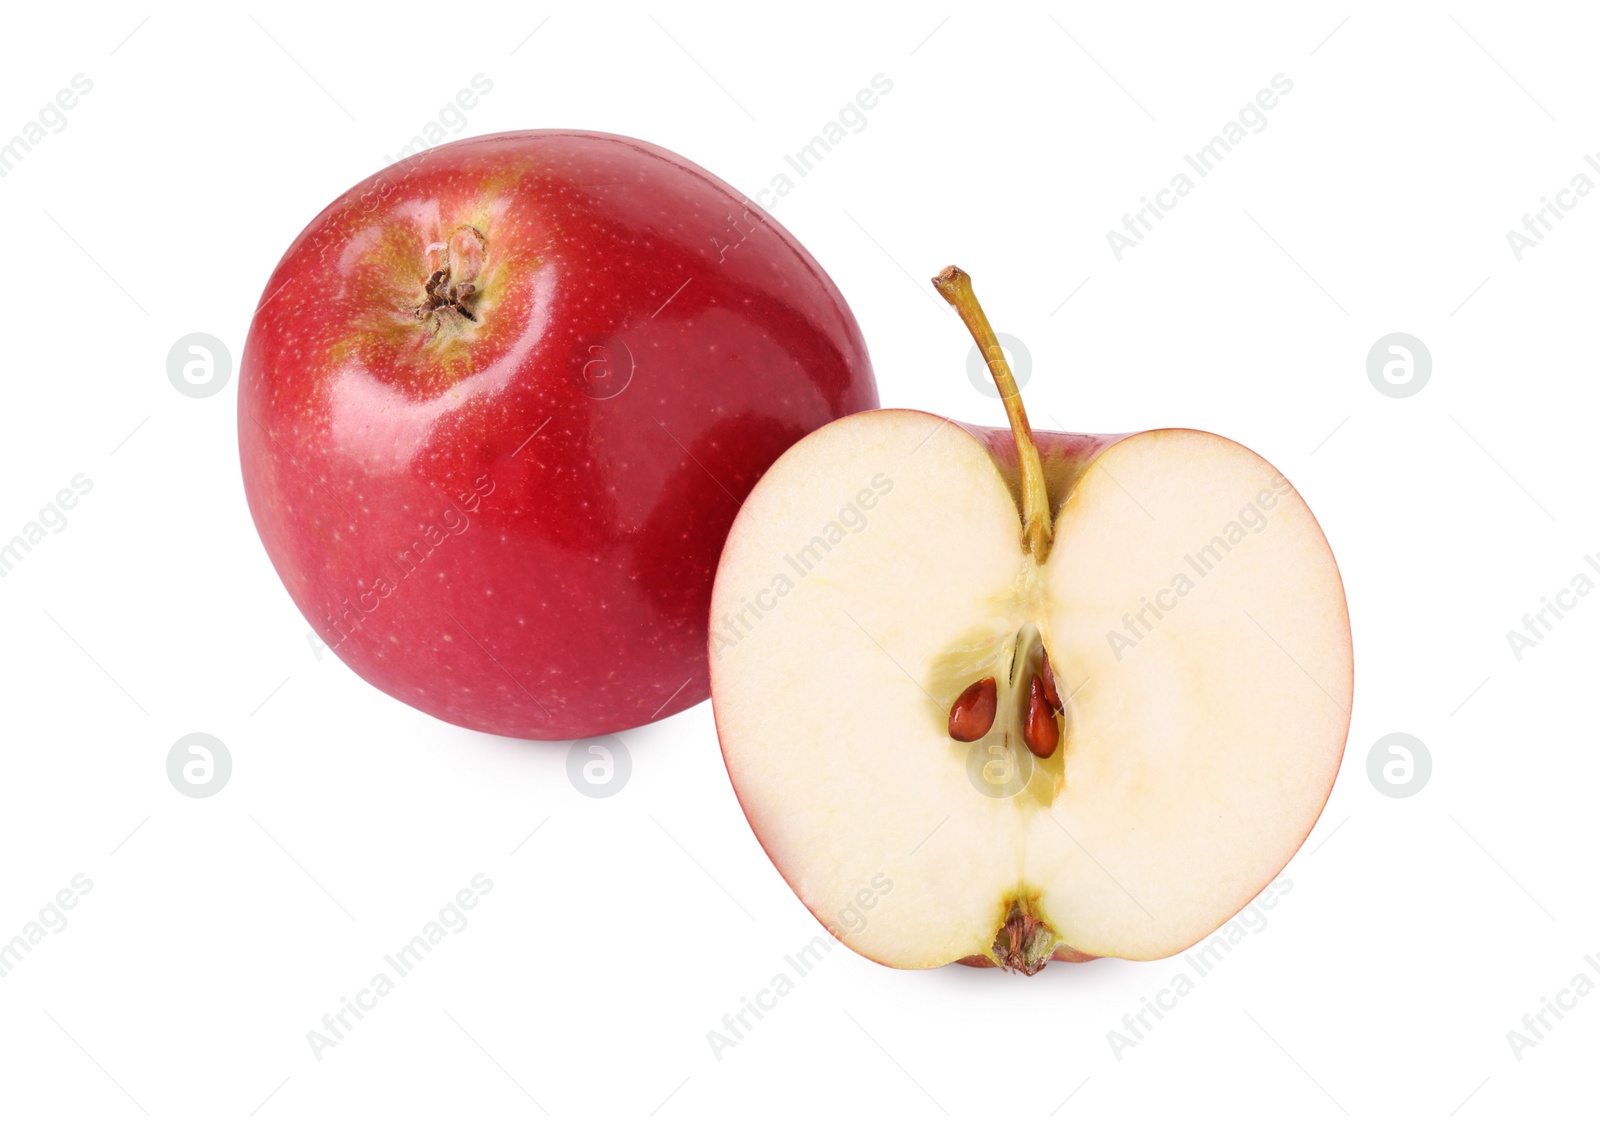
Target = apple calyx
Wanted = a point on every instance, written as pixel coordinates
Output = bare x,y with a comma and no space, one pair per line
1024,942
955,286
450,288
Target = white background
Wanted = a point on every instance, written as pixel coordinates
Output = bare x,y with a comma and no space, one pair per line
1377,199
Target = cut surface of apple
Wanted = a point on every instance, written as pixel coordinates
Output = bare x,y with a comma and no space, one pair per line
1198,643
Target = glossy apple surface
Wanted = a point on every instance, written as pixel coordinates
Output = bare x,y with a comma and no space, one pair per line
499,406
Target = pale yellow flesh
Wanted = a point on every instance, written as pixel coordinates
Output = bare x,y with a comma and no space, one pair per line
1195,761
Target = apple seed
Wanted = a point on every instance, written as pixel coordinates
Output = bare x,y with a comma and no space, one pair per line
1051,695
1039,730
972,714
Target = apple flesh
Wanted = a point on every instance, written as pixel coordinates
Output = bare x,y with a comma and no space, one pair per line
1194,626
499,405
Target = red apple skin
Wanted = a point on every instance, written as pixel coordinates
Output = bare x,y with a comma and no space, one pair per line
490,519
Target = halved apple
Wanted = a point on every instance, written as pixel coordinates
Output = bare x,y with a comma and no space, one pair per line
1062,696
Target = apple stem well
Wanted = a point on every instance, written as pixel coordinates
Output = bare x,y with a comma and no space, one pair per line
956,287
453,270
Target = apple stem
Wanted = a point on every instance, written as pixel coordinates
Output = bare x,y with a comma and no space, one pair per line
956,287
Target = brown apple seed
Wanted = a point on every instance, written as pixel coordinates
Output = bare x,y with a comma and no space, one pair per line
972,714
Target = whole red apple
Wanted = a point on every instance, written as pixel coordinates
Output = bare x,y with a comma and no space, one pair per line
499,406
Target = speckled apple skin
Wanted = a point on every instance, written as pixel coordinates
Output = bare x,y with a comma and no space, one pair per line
512,522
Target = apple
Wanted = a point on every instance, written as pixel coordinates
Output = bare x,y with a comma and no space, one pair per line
499,405
997,697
